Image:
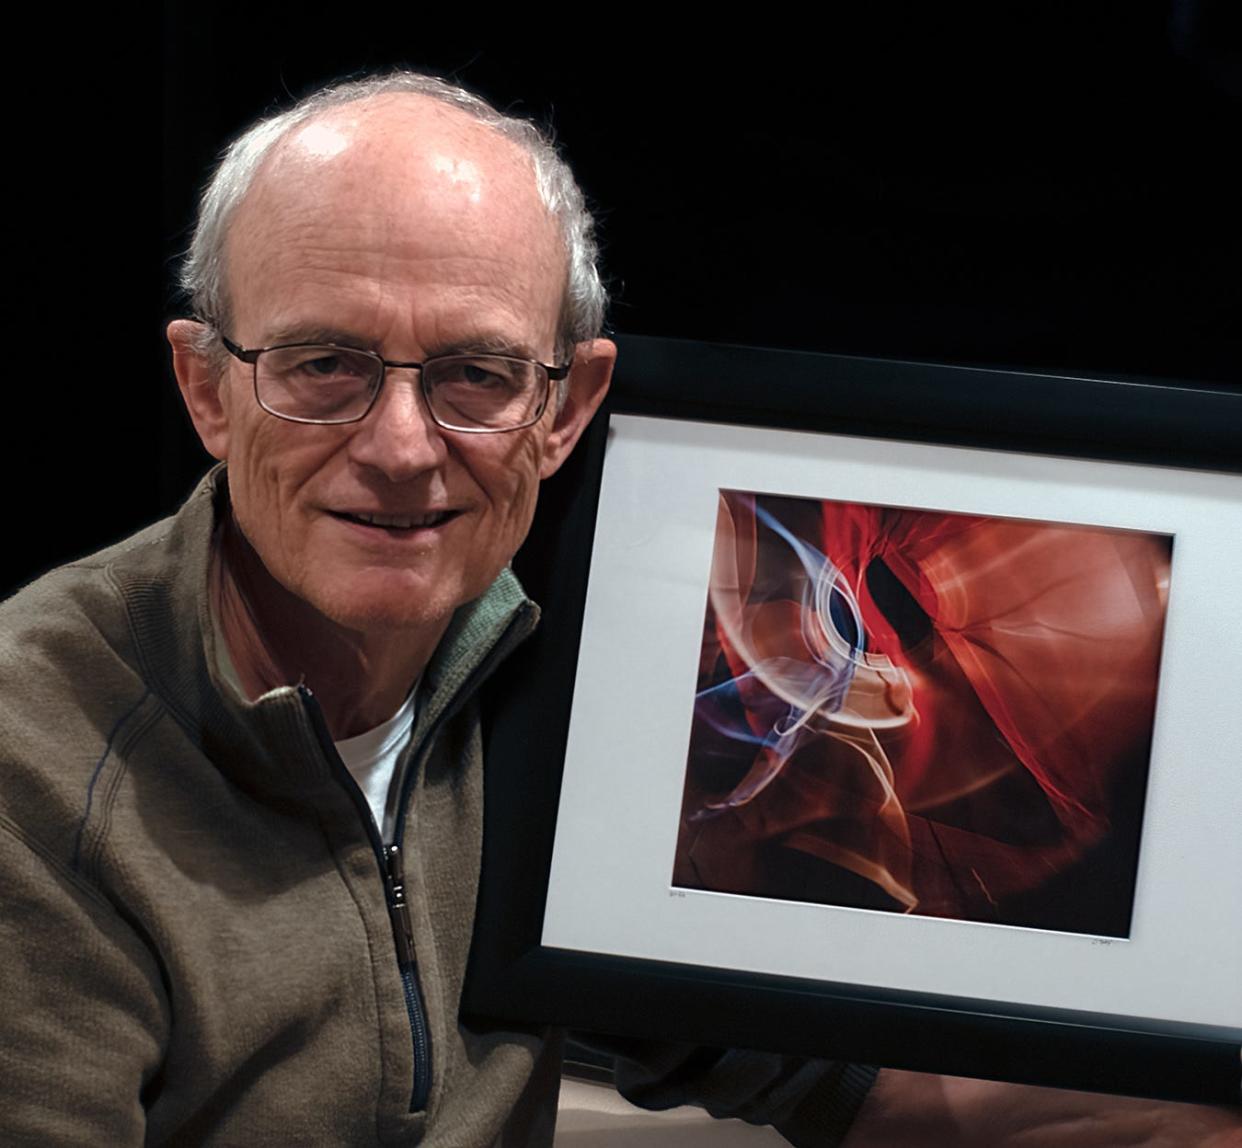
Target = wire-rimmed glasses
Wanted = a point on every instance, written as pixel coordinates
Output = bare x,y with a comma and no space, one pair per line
327,384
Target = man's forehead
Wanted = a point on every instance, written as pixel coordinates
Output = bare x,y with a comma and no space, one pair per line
404,175
408,145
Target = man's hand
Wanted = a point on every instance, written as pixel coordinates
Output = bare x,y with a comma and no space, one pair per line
912,1109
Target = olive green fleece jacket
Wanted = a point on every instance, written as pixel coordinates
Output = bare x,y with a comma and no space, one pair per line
195,938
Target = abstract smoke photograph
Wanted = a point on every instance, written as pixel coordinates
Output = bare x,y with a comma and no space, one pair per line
925,712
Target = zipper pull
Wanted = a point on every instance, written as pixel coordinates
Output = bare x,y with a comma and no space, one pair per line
398,907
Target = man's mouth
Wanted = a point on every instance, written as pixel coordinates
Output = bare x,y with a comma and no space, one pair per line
399,521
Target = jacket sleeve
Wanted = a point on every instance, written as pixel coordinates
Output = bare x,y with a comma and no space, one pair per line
82,1010
812,1103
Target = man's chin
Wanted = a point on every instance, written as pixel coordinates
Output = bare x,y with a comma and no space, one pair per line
387,611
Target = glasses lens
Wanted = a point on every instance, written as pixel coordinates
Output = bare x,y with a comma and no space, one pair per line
316,383
492,392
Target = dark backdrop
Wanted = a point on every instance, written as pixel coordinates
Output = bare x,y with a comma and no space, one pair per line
1051,187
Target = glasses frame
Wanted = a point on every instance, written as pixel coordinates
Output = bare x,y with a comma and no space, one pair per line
251,355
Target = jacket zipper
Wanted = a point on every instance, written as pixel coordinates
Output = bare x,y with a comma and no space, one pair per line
390,857
403,934
390,867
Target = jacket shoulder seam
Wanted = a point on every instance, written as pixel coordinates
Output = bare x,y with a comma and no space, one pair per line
105,780
49,858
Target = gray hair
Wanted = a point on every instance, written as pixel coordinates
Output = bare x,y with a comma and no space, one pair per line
203,273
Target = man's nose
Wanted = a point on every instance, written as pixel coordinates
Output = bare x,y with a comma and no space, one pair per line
399,437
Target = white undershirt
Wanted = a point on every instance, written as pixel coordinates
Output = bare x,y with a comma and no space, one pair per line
372,759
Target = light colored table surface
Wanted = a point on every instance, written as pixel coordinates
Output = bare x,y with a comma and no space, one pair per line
594,1116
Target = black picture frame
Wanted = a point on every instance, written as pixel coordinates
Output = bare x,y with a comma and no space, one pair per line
513,977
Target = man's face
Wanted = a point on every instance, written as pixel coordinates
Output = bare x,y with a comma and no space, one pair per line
412,233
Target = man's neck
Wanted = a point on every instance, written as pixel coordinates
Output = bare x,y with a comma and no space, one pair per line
276,639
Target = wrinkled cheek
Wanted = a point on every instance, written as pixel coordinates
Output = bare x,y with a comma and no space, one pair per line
521,496
524,502
256,484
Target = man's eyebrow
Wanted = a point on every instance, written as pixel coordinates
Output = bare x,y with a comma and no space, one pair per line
342,337
315,333
483,345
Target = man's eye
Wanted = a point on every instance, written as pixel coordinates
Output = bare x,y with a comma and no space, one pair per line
482,375
326,367
321,365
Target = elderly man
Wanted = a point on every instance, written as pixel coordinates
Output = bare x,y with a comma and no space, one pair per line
241,814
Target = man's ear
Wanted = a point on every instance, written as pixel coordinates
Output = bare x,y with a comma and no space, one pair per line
588,381
201,389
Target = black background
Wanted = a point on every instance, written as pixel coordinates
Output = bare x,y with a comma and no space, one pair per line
1042,186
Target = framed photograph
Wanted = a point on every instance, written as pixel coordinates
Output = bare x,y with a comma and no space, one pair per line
886,712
